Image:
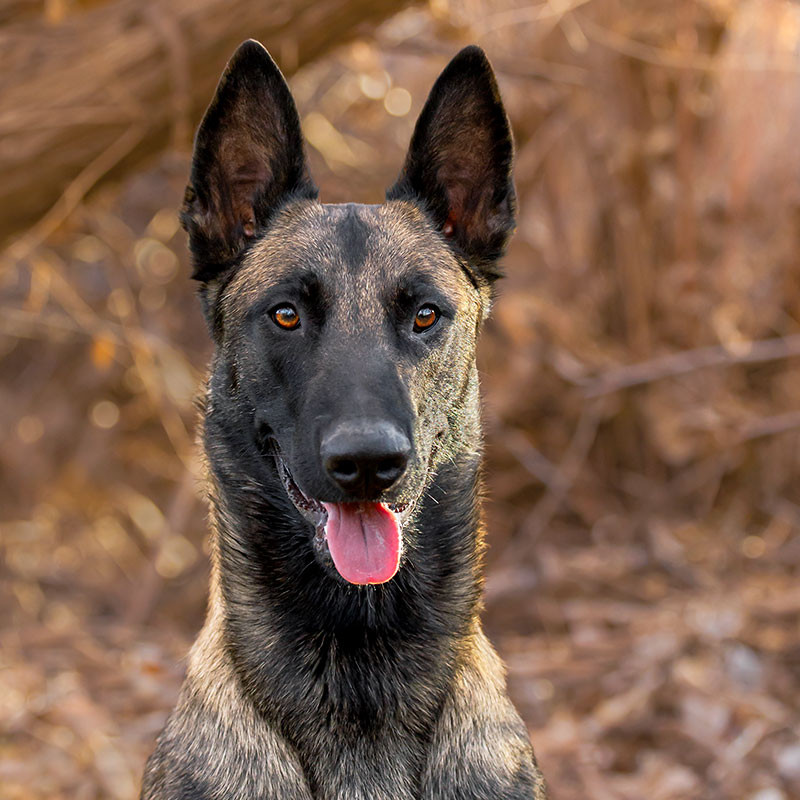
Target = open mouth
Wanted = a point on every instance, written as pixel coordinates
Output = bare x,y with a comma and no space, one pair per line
364,540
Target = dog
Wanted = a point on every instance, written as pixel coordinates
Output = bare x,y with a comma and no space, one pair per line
343,657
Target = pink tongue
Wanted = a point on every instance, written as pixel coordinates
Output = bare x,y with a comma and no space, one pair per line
364,540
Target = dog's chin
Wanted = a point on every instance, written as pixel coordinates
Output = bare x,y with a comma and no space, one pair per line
361,542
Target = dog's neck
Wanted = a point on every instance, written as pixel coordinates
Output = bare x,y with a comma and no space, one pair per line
299,636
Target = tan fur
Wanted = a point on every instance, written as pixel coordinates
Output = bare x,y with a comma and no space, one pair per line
471,734
243,756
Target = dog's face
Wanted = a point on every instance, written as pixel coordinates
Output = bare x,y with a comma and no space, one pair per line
345,333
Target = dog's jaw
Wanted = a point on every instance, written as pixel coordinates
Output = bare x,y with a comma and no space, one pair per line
381,529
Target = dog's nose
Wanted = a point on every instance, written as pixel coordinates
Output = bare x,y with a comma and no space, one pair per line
365,458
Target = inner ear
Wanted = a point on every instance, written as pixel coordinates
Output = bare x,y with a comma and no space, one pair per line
460,158
248,160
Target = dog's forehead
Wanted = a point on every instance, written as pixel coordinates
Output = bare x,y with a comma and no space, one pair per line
363,247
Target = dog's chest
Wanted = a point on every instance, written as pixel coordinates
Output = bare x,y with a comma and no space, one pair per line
385,769
362,726
354,749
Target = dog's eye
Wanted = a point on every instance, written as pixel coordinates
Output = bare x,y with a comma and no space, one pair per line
286,317
426,317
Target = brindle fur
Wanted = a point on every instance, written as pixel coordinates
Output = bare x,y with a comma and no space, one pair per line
301,685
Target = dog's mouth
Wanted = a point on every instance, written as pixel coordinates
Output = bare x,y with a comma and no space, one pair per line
364,540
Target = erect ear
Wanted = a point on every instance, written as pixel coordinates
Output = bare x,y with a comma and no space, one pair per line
248,160
459,162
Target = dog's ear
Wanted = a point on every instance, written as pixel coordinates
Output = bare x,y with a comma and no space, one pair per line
459,162
248,160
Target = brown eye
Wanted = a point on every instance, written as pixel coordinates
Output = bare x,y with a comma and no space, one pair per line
286,317
425,318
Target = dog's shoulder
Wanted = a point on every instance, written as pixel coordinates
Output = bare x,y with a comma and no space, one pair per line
214,743
481,747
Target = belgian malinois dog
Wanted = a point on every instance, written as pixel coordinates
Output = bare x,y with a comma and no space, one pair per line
343,656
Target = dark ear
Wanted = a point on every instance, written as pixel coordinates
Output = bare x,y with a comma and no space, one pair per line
459,162
248,160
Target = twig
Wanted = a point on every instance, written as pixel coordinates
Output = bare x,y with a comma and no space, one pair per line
72,196
686,212
144,350
535,68
567,473
29,325
748,62
686,361
538,465
174,40
141,603
538,14
559,485
770,426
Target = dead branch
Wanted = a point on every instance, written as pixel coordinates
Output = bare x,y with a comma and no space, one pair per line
674,364
69,91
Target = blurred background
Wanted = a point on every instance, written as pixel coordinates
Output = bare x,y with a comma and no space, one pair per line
641,372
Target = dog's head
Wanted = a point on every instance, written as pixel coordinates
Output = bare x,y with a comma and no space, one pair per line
345,334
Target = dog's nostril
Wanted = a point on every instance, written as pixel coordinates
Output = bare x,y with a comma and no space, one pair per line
343,469
390,468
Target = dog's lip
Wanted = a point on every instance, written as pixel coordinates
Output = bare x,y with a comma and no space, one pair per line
310,508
